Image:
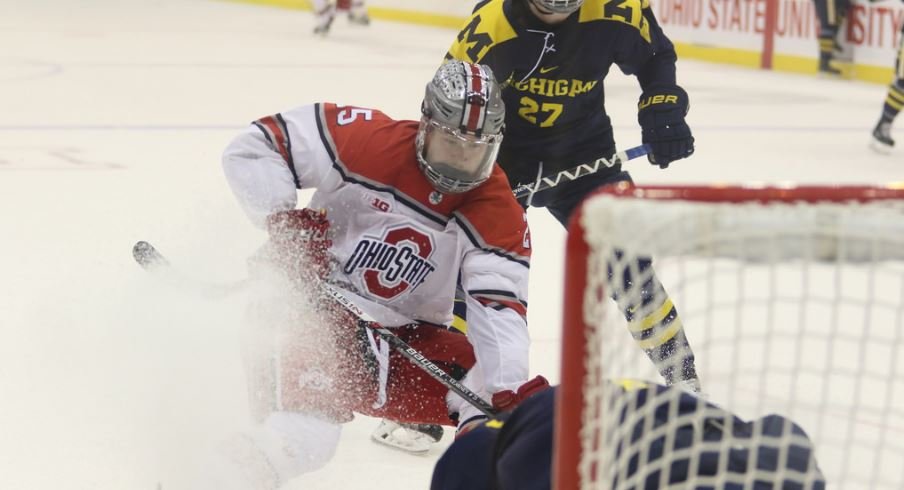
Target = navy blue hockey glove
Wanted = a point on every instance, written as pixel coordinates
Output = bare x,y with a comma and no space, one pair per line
661,112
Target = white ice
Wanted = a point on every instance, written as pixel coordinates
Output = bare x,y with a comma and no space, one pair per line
113,115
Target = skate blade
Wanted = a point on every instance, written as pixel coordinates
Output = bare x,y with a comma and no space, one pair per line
880,147
397,437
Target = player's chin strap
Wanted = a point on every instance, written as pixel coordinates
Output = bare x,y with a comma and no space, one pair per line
576,172
149,258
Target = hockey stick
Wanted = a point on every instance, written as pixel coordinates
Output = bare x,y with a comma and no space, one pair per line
582,170
153,261
150,259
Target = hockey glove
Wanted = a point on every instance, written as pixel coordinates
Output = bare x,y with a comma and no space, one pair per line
508,399
301,241
661,112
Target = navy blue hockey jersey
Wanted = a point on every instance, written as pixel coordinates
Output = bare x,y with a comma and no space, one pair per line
515,450
553,75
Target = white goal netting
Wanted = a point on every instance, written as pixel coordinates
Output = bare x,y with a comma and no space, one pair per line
793,303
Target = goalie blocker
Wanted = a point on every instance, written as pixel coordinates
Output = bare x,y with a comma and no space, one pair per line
514,451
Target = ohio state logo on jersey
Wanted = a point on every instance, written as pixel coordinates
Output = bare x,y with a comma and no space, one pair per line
394,264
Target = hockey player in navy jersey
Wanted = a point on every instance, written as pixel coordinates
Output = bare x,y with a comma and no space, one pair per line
831,15
401,208
894,102
552,57
515,450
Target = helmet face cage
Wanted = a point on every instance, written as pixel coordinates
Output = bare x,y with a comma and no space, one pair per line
461,127
559,6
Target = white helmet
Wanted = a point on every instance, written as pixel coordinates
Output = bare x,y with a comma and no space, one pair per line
559,6
461,126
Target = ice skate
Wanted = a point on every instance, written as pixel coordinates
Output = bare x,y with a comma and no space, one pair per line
882,141
358,17
412,438
827,67
324,20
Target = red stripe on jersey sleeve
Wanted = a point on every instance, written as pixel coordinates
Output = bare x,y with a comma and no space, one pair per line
280,138
512,305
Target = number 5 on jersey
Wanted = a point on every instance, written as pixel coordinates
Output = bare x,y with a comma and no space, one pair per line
349,115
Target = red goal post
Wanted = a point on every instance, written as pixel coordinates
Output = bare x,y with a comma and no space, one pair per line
751,233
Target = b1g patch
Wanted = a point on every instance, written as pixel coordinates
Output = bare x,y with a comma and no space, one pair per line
394,264
378,202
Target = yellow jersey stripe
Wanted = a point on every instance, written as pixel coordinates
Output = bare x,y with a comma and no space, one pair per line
652,319
896,93
484,29
625,11
459,323
663,337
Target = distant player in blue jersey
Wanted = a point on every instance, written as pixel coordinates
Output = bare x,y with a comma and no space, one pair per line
552,57
894,102
831,15
515,450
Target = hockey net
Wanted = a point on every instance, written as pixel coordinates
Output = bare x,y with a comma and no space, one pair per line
793,302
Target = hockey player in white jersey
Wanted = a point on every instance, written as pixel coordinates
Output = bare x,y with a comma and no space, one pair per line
326,10
400,208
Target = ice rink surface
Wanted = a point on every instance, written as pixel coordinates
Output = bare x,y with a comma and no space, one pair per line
113,115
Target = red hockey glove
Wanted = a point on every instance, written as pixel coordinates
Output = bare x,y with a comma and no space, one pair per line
508,399
301,241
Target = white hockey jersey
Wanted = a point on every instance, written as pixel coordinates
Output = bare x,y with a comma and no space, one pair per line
399,242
